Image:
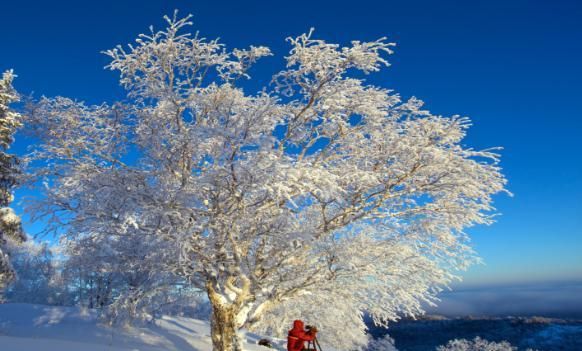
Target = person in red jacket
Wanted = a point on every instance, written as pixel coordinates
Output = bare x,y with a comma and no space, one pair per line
298,336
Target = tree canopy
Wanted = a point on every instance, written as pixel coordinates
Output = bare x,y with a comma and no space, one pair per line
320,196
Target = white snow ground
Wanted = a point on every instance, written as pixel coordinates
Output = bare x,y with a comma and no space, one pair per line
26,327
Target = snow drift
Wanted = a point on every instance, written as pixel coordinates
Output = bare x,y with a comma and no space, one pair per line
27,327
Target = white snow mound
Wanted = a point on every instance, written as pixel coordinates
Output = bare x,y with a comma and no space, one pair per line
26,327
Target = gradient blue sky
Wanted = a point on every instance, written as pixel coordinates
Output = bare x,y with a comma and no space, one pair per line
514,67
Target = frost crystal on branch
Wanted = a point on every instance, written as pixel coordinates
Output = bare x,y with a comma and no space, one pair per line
321,195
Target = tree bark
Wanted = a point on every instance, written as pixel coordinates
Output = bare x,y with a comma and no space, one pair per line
223,329
223,323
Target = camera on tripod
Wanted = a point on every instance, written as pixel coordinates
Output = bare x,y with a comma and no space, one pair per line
310,327
312,345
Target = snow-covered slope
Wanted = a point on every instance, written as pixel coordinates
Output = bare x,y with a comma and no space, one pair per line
25,327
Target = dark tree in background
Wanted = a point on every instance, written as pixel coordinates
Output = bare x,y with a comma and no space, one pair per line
10,226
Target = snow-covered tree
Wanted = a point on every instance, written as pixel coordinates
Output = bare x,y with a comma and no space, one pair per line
319,188
385,343
476,344
126,275
39,279
10,226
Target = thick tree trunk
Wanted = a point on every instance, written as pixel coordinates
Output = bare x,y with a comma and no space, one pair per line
223,328
224,331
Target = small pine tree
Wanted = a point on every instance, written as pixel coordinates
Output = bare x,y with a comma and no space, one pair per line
10,226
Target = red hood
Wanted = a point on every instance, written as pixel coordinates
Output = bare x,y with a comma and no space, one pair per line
297,324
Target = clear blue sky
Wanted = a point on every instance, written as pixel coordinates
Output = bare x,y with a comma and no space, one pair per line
514,67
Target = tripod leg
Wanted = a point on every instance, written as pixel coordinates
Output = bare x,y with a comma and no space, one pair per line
316,344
